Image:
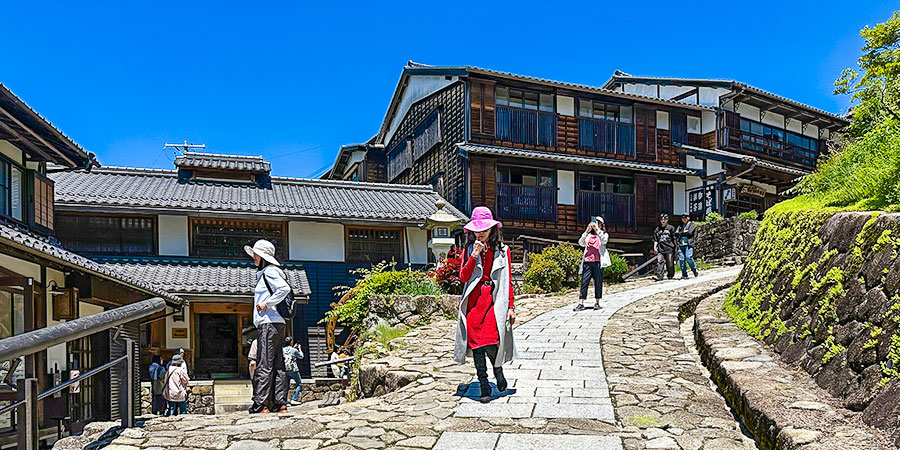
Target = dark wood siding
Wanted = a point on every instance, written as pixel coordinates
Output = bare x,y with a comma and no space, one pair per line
482,108
645,134
645,191
484,182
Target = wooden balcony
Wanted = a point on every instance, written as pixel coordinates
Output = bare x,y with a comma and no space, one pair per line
519,202
606,136
773,149
526,126
617,210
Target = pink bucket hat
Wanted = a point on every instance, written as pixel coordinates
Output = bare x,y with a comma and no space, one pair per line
482,219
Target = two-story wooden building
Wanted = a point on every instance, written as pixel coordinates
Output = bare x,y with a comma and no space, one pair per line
185,229
43,284
547,155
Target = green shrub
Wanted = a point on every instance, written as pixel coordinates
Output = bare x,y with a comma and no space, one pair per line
530,289
380,281
384,333
544,273
752,215
616,270
568,258
713,217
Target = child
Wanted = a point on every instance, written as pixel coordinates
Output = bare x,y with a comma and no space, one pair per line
486,311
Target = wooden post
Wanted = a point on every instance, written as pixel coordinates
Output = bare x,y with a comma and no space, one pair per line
128,417
27,422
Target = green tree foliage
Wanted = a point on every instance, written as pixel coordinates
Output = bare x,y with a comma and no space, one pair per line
864,171
556,268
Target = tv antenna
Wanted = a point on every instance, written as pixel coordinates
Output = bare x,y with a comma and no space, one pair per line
184,147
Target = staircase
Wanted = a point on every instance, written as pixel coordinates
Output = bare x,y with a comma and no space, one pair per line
233,395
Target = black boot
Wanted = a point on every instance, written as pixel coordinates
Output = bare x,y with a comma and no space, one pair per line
501,380
481,372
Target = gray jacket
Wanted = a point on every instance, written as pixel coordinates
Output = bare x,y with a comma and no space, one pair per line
685,231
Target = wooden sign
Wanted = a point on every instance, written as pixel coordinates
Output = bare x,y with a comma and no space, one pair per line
179,333
756,191
65,304
729,194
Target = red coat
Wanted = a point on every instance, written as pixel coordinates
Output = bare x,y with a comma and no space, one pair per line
481,325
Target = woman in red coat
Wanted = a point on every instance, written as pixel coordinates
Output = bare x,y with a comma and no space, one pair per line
486,312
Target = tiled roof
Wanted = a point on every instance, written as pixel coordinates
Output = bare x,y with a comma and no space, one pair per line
48,249
287,198
195,160
187,278
574,159
748,159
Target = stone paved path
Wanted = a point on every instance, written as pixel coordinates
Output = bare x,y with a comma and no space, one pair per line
561,399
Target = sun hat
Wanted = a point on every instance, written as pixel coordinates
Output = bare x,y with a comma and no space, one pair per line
177,360
482,219
598,219
265,250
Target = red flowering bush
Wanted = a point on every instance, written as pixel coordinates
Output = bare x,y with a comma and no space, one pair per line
447,275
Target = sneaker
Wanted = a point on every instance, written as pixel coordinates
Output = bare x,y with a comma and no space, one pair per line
295,403
696,274
259,409
597,306
684,277
283,409
580,307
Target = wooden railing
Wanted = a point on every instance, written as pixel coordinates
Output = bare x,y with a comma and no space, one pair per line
738,139
617,210
526,126
518,202
606,136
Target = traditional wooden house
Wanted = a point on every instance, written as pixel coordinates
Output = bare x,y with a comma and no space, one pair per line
42,284
547,155
185,229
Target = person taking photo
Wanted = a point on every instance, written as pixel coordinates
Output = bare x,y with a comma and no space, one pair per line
595,259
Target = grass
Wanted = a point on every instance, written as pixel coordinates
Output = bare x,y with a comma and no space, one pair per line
385,333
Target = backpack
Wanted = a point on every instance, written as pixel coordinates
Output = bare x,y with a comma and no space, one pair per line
287,308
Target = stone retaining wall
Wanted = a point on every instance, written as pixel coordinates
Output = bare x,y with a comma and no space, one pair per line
824,292
781,407
202,398
727,240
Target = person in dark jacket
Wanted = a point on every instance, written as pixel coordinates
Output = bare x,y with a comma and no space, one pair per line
158,404
664,247
685,236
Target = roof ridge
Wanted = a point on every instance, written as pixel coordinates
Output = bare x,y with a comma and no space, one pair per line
222,155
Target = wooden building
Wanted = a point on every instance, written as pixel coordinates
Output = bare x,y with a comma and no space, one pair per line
185,230
43,284
547,155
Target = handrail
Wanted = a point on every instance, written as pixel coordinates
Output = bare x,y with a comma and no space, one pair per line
68,383
337,361
44,338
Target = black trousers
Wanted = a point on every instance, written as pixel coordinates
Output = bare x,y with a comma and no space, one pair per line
480,355
592,271
665,264
270,372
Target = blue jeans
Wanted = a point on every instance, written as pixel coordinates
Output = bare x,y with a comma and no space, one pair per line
296,377
176,407
686,258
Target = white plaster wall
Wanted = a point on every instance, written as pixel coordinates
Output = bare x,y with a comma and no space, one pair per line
710,96
565,179
693,163
10,151
418,245
565,105
647,90
87,309
56,354
679,202
692,182
775,120
713,167
708,121
173,235
795,126
418,87
826,134
171,323
812,131
693,124
670,92
662,120
749,111
313,241
23,268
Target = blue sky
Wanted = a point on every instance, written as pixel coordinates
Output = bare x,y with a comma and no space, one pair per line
293,81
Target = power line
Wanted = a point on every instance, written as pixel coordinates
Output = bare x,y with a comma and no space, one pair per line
296,152
318,172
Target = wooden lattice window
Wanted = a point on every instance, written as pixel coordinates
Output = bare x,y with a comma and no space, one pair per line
226,238
43,202
107,235
374,245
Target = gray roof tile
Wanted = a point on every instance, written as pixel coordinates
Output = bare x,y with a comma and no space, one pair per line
288,197
205,277
209,161
48,249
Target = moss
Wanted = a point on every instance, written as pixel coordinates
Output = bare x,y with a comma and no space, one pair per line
833,350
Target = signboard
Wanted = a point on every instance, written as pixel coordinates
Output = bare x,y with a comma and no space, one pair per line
729,194
179,333
756,191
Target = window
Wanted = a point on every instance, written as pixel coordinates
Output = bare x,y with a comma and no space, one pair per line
525,117
107,235
43,202
605,128
226,238
12,314
693,125
12,191
374,245
526,176
777,142
606,184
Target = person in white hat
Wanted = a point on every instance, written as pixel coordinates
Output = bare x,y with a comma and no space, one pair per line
271,288
596,258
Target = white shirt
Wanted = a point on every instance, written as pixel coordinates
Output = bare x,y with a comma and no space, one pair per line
261,295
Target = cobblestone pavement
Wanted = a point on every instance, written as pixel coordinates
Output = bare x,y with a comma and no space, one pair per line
559,396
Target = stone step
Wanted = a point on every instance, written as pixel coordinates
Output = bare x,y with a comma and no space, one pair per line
509,441
232,407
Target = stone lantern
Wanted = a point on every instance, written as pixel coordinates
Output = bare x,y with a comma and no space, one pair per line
441,224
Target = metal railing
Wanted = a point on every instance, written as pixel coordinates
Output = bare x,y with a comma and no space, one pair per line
27,344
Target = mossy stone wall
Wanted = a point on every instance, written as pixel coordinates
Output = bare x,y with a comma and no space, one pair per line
822,290
730,238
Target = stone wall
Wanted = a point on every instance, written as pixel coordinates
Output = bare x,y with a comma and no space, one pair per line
201,401
824,291
411,311
725,241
